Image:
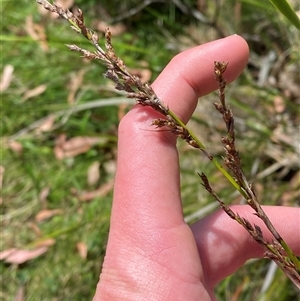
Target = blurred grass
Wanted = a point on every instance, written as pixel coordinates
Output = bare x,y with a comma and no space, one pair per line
266,136
284,7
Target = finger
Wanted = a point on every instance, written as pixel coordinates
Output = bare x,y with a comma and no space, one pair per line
190,74
224,245
147,228
147,180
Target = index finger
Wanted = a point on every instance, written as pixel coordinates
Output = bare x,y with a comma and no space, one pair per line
147,228
147,180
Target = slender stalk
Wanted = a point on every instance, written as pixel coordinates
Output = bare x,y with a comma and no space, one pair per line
210,157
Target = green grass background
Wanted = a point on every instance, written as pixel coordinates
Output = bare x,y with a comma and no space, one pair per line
153,35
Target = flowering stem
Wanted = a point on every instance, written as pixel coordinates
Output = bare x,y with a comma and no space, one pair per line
202,147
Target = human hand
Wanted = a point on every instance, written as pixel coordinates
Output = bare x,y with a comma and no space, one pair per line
152,254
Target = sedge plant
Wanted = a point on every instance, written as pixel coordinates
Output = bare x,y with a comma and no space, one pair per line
277,249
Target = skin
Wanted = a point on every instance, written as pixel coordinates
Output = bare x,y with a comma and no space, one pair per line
152,254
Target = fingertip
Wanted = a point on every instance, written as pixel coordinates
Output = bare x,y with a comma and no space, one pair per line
190,74
236,52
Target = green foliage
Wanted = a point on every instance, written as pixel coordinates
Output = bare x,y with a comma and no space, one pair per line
284,7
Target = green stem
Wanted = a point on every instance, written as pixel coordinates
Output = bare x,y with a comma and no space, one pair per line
211,158
291,255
